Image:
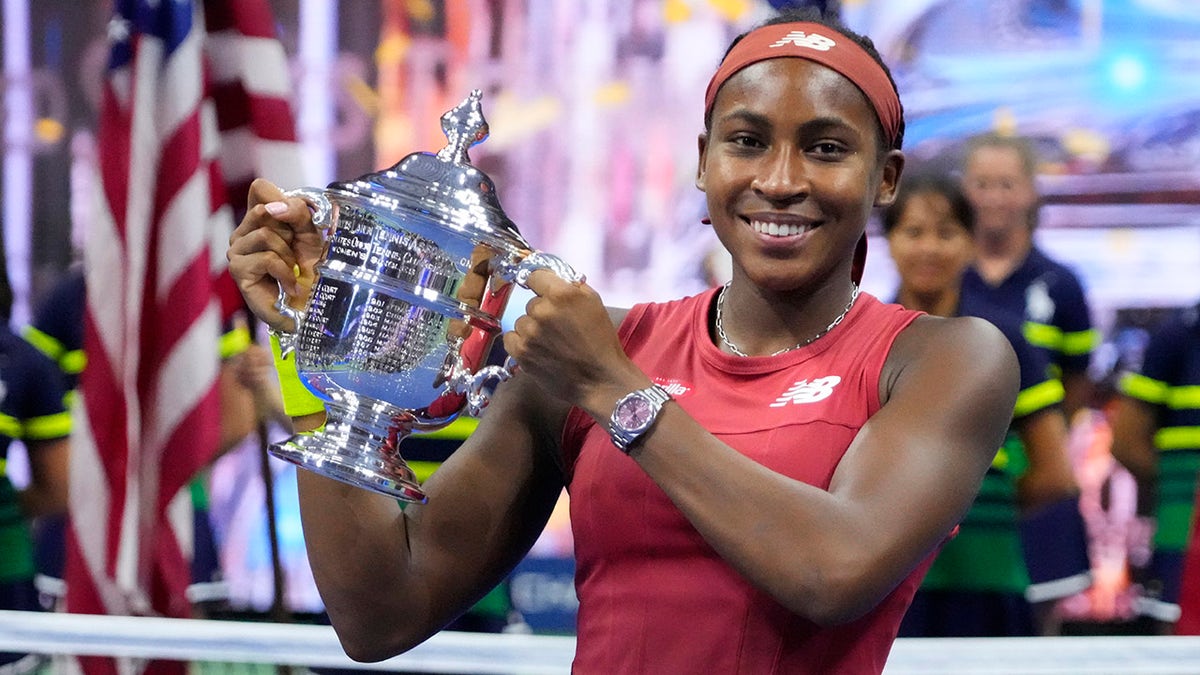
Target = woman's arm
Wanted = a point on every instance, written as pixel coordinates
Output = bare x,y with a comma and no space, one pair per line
1133,425
1050,476
391,577
46,493
905,481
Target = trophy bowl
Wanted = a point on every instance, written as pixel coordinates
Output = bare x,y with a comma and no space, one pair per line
394,337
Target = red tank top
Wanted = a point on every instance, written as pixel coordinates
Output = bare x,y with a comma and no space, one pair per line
653,595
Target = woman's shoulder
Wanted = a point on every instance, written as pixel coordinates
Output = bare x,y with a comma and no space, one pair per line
970,328
942,354
933,338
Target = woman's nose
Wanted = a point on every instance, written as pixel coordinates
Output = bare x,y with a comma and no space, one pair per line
781,175
929,246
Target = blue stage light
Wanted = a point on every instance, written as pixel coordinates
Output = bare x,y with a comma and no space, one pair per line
1127,72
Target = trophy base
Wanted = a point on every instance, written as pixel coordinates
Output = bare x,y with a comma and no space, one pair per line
395,480
359,447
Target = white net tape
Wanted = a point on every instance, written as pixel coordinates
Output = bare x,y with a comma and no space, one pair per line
450,652
273,643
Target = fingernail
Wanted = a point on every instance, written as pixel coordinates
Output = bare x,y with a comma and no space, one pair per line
276,208
296,270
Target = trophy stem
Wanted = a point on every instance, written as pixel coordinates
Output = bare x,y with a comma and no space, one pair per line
359,444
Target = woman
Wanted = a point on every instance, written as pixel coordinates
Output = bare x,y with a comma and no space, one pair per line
1023,536
999,179
1154,437
33,412
786,535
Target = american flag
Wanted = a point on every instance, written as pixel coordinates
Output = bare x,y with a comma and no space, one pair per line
180,105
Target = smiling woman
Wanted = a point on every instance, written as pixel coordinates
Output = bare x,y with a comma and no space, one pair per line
776,504
929,230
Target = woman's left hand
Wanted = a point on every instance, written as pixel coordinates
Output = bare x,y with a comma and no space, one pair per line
567,343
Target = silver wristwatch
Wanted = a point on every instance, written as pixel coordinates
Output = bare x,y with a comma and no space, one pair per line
634,414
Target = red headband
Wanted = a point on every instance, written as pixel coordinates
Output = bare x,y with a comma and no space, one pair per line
812,41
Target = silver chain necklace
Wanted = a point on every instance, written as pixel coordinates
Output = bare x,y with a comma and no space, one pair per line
720,323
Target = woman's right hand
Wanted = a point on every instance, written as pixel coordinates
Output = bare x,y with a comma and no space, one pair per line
276,245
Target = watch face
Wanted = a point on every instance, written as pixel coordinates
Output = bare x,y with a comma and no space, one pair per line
634,413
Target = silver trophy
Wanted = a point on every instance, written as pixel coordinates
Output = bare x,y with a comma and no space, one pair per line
418,267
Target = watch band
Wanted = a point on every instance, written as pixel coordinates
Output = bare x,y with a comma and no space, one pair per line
634,414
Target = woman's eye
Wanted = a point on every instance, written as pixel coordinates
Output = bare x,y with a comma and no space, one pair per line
746,140
951,232
827,148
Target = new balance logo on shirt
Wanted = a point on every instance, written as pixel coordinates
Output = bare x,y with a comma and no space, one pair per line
806,391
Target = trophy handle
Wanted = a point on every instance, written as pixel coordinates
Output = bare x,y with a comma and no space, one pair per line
479,387
519,270
322,217
476,386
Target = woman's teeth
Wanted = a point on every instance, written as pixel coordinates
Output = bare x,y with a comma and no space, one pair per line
778,229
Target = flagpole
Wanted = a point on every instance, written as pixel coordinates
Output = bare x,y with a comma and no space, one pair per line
18,154
278,611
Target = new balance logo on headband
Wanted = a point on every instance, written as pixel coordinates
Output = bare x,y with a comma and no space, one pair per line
802,39
808,392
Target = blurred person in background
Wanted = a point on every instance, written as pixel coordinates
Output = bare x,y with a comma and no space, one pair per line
246,399
999,179
1009,271
1156,436
32,411
56,328
978,584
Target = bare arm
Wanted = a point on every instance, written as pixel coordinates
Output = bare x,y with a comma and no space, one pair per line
906,480
254,373
47,491
1050,476
239,416
1077,393
911,473
389,577
1133,427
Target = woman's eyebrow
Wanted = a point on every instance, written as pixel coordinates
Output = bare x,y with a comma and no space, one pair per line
748,116
761,120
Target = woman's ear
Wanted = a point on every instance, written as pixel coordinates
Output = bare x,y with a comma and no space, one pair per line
702,146
893,167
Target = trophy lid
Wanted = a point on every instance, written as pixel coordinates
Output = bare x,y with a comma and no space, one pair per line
445,187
